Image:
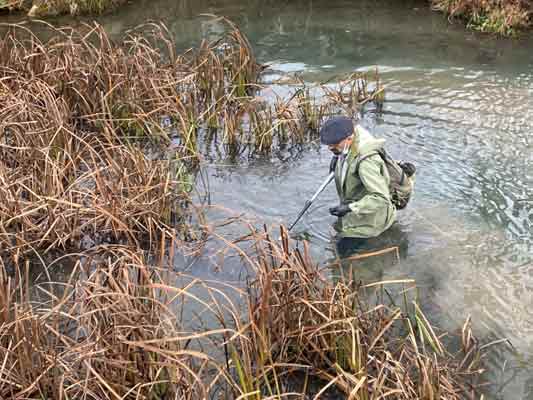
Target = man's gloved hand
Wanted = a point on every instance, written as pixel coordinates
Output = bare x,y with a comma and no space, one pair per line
340,211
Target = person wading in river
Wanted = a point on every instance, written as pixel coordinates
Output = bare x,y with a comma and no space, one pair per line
362,178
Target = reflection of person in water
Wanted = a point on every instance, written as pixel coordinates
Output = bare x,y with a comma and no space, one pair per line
392,237
389,248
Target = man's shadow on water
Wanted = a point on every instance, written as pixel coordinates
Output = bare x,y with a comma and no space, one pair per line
368,260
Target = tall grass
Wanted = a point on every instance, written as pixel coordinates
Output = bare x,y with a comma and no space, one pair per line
48,8
110,335
11,5
141,88
303,324
61,184
76,114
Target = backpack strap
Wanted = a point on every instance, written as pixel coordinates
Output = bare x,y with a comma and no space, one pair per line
359,159
386,159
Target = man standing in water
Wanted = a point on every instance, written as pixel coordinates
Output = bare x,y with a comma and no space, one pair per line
366,209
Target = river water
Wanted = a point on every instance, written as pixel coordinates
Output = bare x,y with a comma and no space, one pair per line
458,104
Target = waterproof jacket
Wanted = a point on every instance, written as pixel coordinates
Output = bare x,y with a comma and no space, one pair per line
363,184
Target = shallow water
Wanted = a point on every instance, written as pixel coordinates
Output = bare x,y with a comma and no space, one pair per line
458,104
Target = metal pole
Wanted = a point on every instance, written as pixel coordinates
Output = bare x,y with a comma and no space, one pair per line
308,203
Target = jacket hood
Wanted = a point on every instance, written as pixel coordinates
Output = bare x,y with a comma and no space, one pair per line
366,142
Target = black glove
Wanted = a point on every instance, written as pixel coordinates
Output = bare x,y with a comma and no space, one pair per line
333,163
340,211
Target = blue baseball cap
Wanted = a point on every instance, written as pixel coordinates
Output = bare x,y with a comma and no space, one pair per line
335,130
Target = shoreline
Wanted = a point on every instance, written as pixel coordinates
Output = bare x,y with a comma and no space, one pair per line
506,19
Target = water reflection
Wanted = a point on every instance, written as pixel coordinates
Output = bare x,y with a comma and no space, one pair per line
368,260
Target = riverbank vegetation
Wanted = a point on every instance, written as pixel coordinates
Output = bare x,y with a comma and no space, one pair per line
51,8
506,17
46,8
100,144
76,120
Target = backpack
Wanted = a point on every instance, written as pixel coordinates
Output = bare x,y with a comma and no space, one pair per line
402,178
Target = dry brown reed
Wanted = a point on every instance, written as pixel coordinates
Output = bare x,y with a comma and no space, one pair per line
71,166
11,5
121,326
303,324
110,335
142,88
46,8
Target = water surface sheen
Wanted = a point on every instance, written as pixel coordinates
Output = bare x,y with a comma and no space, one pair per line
459,105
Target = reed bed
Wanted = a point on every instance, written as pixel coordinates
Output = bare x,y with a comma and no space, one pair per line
140,88
48,8
100,141
110,335
11,5
301,324
120,326
63,190
72,171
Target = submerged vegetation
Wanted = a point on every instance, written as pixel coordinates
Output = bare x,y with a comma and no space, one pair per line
99,146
